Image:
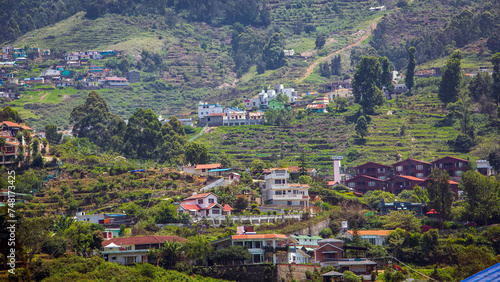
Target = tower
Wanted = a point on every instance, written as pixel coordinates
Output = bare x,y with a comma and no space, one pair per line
336,167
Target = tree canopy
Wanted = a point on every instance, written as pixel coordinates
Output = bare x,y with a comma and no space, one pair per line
366,84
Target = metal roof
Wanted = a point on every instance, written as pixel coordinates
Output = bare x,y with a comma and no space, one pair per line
489,274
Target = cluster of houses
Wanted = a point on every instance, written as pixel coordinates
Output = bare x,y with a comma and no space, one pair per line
68,73
264,248
9,131
406,174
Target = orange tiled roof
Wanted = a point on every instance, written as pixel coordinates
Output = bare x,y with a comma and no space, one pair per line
259,236
331,183
12,124
227,208
371,232
296,168
207,166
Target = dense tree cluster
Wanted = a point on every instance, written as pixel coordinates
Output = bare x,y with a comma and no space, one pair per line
367,84
20,17
333,68
143,137
462,29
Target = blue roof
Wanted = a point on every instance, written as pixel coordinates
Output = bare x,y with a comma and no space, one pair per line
489,274
219,169
114,214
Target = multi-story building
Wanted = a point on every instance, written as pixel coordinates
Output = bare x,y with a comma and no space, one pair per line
278,191
375,170
270,248
204,109
412,167
454,166
131,250
399,183
333,252
365,183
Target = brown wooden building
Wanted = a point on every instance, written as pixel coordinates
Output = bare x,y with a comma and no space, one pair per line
375,170
454,166
365,183
399,183
412,167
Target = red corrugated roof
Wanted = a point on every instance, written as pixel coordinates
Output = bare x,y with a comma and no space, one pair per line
210,206
409,177
331,183
191,207
227,208
143,240
259,236
316,106
217,115
453,182
412,160
458,159
209,166
198,196
371,163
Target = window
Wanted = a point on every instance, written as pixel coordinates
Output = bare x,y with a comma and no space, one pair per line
420,175
351,184
215,211
381,170
382,177
371,183
372,241
458,173
277,181
203,170
257,244
278,192
420,167
460,164
289,203
211,201
200,202
399,168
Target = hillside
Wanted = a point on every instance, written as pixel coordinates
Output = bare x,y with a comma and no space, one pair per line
427,136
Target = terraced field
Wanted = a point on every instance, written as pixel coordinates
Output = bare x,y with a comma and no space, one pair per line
321,136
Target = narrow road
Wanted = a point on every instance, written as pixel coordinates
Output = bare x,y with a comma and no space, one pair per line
310,69
199,134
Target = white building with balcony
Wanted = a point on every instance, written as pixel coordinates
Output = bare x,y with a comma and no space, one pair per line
204,109
278,191
270,248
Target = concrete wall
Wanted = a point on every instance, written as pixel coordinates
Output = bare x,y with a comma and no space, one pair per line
294,271
315,229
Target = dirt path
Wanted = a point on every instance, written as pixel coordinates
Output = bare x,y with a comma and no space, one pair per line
368,32
43,97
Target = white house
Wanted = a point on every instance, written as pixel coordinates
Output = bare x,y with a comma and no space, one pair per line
132,250
270,248
375,237
278,191
204,109
203,205
74,56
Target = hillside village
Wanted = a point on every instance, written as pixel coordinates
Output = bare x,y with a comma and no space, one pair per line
250,141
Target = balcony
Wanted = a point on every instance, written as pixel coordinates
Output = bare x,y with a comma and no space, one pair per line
289,197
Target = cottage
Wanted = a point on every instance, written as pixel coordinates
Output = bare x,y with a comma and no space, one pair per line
200,169
484,167
212,120
96,69
454,166
74,56
114,82
49,73
375,170
203,205
365,183
412,167
399,183
333,252
9,132
131,250
269,248
33,80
